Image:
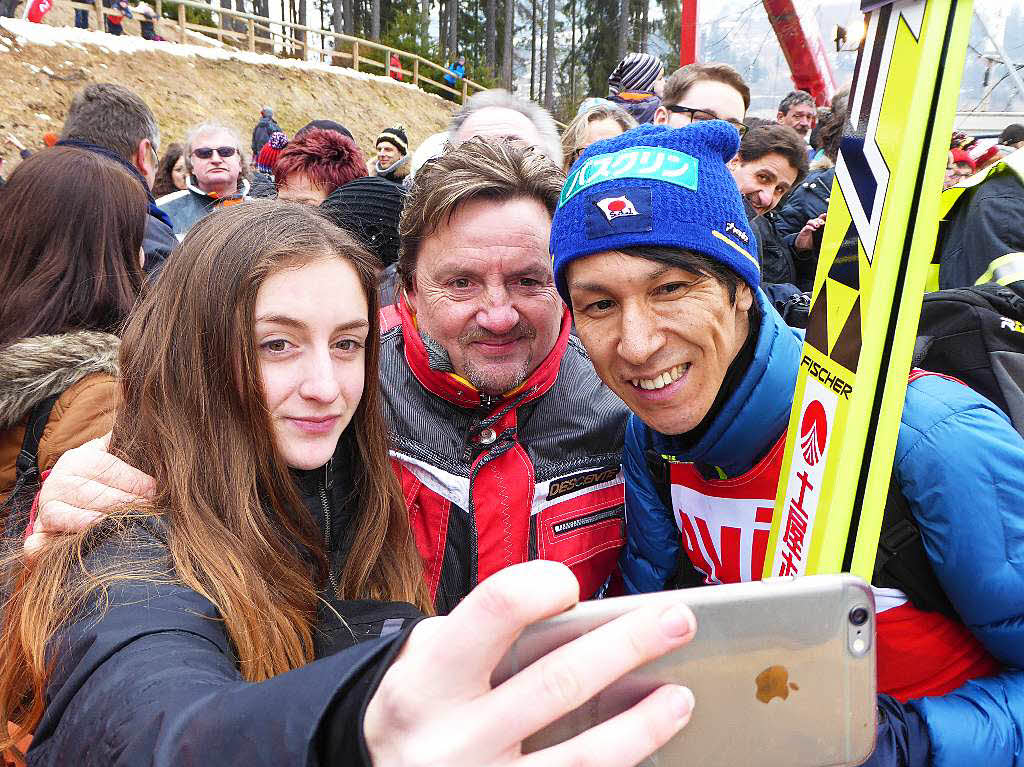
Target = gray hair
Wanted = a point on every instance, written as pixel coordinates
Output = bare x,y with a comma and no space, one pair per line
212,127
795,98
112,117
499,98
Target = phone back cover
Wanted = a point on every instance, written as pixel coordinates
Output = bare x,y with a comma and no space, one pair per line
774,681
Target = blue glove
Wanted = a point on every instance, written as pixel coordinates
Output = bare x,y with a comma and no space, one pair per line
902,738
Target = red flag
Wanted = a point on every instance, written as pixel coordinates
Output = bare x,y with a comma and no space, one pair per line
37,9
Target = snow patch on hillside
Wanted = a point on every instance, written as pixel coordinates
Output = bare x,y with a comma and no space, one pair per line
44,34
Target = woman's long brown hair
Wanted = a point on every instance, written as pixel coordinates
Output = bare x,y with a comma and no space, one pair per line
71,225
193,416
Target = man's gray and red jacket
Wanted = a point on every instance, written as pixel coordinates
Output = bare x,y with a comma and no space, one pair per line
494,481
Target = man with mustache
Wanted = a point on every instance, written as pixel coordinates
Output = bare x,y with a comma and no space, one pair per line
506,442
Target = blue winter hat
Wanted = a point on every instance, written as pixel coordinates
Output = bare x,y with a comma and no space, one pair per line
655,185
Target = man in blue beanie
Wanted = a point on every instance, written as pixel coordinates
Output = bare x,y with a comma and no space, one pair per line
652,250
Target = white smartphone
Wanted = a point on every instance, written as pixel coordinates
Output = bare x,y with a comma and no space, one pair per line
782,671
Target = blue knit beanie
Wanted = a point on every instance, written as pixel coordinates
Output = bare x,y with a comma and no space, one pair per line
655,185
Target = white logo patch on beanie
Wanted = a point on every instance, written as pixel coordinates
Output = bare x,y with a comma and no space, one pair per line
616,207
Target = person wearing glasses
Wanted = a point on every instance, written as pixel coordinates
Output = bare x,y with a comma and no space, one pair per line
216,176
699,92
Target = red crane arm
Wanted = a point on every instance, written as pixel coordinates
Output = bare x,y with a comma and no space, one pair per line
804,50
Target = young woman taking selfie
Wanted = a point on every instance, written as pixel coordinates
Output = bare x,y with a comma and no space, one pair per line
214,622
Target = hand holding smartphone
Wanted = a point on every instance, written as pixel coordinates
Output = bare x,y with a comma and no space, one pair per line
783,672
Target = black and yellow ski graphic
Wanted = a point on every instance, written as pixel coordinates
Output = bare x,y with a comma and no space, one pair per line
875,256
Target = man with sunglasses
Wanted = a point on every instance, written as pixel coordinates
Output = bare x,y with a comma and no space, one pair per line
214,161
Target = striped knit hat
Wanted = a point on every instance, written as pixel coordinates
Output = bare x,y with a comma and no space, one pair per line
395,136
636,72
269,153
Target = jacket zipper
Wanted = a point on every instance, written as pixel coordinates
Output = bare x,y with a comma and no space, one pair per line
616,512
327,536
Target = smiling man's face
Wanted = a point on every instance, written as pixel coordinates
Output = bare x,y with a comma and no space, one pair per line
660,337
483,289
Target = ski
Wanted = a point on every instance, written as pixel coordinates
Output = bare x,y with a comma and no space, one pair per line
876,250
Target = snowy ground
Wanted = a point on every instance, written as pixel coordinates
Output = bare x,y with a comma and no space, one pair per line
44,34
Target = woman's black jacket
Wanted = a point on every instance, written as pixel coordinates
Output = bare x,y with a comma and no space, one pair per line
153,680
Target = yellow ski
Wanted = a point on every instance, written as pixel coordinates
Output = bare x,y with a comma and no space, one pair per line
877,246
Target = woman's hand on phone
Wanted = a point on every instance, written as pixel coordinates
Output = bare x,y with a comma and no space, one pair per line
436,705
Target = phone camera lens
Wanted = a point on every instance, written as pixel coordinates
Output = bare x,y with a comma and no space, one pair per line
859,616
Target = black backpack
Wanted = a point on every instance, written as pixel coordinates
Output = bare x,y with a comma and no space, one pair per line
977,335
16,509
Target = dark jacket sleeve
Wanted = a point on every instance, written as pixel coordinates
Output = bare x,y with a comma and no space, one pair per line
153,681
990,225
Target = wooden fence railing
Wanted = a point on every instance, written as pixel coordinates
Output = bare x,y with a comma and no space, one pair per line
247,31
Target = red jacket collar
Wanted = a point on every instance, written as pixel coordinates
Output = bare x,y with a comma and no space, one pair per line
457,390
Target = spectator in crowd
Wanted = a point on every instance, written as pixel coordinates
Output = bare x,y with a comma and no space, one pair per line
369,209
670,310
316,163
500,430
147,22
216,168
392,155
82,15
700,92
113,121
959,165
456,71
602,120
767,166
800,219
496,113
210,586
771,161
71,270
797,110
983,222
262,184
266,126
113,20
171,175
636,84
395,67
1012,136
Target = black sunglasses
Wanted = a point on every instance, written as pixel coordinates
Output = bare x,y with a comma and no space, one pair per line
699,115
205,152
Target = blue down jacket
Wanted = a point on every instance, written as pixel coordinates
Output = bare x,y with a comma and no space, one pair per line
959,463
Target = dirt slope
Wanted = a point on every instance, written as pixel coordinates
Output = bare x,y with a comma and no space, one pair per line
37,81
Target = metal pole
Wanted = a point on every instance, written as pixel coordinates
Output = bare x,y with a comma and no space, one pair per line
1014,74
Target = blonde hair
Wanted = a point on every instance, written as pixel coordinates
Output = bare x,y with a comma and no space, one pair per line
573,136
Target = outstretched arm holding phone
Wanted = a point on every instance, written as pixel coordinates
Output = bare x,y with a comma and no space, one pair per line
422,697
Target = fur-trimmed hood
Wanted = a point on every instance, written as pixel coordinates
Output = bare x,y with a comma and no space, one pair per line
33,369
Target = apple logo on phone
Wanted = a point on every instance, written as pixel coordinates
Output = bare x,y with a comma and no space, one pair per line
774,682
